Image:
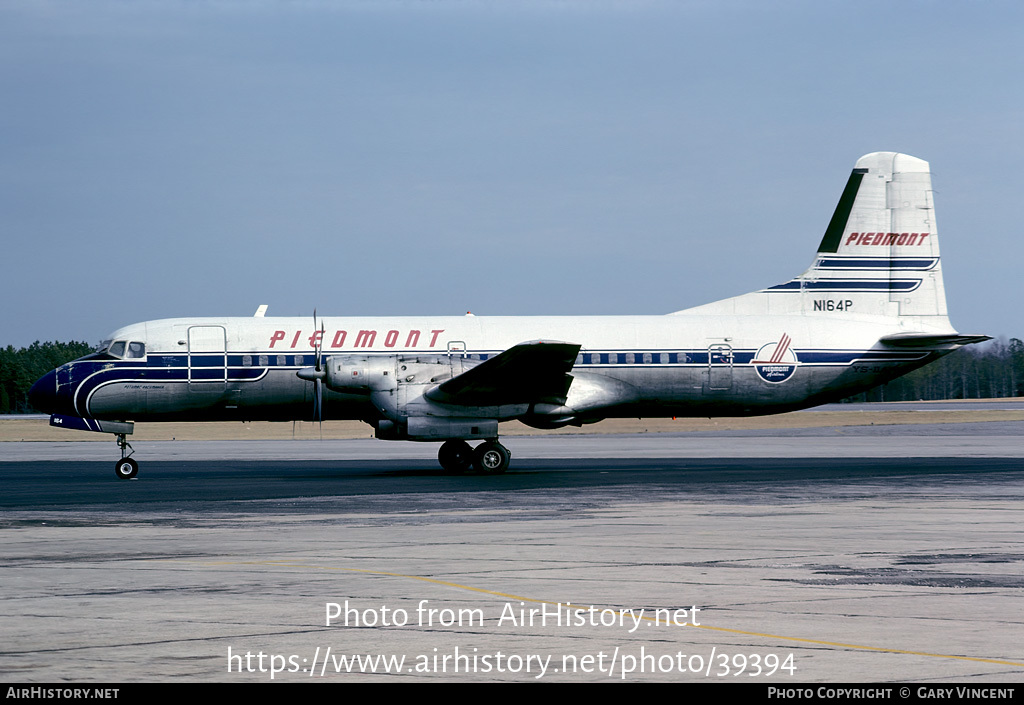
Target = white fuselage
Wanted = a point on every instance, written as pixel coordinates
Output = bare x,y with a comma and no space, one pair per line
676,365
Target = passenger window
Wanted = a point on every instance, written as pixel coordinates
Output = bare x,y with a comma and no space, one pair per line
281,361
299,360
264,360
630,358
648,358
246,360
663,358
595,359
613,358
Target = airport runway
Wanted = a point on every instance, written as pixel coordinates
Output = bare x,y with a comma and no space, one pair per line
870,554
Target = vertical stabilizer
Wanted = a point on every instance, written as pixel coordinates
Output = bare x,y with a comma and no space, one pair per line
882,241
879,255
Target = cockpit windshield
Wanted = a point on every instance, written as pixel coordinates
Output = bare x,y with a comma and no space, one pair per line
122,349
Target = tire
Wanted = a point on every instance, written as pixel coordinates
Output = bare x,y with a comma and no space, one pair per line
455,456
491,458
126,468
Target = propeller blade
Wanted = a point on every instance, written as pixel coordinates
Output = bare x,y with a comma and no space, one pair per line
319,342
320,346
317,400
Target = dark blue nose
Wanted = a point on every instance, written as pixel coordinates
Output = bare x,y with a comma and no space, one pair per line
43,395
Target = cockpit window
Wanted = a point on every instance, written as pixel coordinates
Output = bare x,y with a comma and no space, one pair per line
103,346
124,350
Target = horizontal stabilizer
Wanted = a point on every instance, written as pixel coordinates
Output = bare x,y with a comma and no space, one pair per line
930,340
528,373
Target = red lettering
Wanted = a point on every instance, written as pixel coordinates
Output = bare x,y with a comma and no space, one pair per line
886,239
339,339
278,335
295,340
433,338
316,339
365,338
391,338
413,340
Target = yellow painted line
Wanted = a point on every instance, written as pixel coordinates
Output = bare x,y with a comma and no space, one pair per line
780,637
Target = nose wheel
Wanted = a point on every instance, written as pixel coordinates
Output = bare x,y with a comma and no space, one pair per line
126,468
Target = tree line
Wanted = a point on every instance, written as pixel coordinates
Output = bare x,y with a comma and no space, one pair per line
19,369
992,370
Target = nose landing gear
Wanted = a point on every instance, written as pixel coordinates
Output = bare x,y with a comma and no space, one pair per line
126,468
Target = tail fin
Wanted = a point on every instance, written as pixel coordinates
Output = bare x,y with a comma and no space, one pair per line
879,255
881,243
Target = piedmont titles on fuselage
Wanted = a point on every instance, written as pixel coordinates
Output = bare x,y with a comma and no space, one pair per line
360,339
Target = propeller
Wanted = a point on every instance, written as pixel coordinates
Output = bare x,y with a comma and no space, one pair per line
316,373
318,383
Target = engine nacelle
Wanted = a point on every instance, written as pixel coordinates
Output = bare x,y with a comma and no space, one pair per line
588,395
354,373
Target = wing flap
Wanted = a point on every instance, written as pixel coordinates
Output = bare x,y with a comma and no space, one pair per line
528,373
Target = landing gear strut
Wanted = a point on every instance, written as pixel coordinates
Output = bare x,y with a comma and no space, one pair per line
125,468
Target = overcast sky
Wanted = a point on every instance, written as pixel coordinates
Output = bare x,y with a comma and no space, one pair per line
162,159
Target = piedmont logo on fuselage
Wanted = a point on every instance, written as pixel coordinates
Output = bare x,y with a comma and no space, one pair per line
775,362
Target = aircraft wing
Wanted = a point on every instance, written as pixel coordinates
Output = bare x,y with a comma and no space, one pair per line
533,372
928,340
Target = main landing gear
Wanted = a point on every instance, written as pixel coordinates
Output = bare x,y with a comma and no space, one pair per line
125,468
489,458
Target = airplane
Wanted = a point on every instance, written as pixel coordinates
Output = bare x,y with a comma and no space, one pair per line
870,308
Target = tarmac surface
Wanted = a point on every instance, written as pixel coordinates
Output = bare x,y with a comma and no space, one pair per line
849,554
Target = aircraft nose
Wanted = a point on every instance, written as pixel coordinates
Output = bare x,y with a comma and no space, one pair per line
43,394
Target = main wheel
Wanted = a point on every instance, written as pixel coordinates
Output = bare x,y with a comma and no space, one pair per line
455,456
491,458
126,468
